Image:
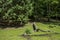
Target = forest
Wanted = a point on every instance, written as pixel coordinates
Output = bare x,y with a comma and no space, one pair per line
19,12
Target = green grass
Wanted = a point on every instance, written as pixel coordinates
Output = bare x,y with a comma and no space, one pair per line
14,33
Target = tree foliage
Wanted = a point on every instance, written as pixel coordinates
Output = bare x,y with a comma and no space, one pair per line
21,10
46,8
15,10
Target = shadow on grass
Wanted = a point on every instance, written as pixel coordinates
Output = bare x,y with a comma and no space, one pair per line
54,23
28,36
40,34
45,21
11,26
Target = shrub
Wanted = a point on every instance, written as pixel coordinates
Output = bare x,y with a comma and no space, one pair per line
28,31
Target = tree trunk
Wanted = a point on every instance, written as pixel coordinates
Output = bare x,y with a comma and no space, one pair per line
48,19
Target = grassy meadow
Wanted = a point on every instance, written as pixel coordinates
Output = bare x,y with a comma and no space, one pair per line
15,33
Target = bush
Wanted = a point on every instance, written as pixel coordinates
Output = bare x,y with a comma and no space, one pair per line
15,10
28,31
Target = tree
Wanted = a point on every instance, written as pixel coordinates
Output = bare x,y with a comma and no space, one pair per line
15,10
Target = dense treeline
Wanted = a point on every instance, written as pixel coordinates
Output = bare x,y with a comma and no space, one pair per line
21,11
47,8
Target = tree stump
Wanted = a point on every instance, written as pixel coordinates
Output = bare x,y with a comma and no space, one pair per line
34,27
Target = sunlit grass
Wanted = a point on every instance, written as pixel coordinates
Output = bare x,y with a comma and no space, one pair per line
14,33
